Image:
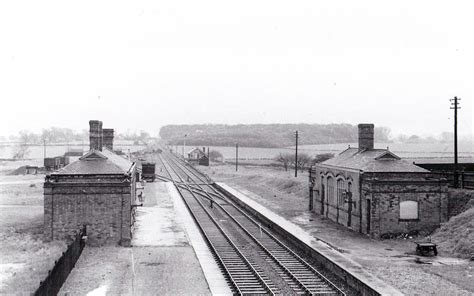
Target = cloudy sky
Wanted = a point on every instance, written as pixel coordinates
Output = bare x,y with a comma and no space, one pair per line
143,64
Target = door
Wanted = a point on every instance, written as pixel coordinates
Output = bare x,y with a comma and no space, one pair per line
349,209
323,196
368,216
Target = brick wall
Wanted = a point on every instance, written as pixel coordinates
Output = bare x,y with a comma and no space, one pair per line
104,207
382,193
330,208
387,191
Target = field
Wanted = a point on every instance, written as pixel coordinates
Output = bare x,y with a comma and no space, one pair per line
391,260
24,258
403,150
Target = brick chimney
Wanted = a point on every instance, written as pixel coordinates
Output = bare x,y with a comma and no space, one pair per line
101,136
366,136
108,138
95,134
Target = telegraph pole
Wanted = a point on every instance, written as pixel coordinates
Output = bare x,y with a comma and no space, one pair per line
455,106
296,155
236,157
184,144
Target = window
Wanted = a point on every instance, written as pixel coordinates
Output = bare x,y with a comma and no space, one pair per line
331,190
349,190
340,192
409,210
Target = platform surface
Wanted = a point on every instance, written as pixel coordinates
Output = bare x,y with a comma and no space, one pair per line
165,258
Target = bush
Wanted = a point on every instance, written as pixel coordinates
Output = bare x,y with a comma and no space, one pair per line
215,156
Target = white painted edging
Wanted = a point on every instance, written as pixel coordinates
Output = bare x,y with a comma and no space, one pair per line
215,279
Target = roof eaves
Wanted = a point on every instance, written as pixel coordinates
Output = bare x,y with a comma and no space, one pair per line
387,152
339,167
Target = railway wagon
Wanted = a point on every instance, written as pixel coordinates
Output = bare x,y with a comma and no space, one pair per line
148,171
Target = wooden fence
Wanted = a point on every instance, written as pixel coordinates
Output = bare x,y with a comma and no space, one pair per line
465,180
62,267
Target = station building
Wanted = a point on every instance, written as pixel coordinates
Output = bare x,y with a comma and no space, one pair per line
375,192
198,156
98,191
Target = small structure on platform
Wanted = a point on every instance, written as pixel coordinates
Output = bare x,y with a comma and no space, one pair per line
373,191
148,171
57,162
54,163
99,190
198,156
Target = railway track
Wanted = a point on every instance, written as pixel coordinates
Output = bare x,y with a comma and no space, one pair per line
253,260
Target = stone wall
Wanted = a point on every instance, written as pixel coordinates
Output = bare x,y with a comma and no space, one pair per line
376,200
330,208
387,191
105,208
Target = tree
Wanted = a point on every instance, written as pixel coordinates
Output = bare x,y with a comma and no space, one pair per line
303,160
22,150
285,159
215,156
382,134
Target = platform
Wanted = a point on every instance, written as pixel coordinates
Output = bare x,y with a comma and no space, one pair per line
351,267
165,258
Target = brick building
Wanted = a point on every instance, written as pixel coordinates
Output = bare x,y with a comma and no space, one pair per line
198,156
98,190
375,192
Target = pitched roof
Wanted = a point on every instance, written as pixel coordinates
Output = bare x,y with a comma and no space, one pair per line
97,163
373,160
198,150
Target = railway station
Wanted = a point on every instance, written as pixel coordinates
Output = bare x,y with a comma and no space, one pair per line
226,242
155,221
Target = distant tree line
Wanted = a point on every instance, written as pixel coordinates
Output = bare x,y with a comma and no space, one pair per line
264,135
54,135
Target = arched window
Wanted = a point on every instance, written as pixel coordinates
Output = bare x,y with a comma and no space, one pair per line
349,190
340,192
409,210
330,190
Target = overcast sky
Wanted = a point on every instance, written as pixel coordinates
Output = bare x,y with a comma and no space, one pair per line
143,64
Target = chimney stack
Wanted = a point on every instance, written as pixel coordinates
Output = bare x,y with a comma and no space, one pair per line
95,134
101,136
366,136
108,134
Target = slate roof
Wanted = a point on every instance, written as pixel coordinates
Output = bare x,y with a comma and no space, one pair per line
373,160
96,162
200,152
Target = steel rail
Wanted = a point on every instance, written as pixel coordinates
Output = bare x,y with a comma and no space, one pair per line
276,240
237,285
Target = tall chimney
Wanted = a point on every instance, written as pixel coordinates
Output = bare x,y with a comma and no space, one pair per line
108,138
101,136
366,136
94,134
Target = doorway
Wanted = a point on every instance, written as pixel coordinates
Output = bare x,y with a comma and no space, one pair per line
368,215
